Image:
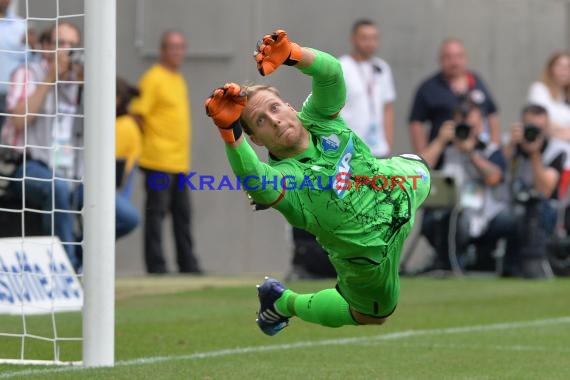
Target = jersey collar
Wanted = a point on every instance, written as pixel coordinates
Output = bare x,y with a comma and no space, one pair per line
304,156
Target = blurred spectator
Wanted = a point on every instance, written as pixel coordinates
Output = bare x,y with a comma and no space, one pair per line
164,114
478,170
552,92
35,42
536,160
12,35
32,102
33,39
438,96
128,148
369,109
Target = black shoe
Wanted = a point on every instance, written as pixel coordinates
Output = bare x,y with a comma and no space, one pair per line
269,320
193,271
157,271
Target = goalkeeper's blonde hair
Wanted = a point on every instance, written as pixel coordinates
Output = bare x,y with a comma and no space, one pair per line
250,91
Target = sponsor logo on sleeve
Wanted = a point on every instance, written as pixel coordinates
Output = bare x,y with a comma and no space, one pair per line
343,169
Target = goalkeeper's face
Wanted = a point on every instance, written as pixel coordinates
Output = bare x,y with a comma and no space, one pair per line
272,122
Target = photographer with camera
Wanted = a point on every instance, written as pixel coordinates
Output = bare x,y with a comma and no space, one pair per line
536,160
43,99
437,97
478,171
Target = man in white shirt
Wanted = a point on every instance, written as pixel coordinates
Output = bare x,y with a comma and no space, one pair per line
12,49
43,100
370,90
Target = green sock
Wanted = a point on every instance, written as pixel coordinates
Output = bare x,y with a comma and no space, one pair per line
326,308
281,303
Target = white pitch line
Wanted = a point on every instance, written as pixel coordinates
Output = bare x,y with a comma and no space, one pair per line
515,347
305,344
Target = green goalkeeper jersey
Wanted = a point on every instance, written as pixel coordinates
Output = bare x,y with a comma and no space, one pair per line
347,222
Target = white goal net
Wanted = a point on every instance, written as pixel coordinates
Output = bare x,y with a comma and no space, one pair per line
57,189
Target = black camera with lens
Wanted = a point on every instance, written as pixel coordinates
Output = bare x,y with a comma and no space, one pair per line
523,193
531,133
528,197
462,131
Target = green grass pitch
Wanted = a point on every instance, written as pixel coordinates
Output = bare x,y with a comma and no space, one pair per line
203,328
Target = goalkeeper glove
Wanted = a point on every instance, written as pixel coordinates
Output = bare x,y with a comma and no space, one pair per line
274,50
224,106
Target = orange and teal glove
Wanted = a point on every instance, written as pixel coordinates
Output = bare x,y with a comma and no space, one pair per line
274,50
224,106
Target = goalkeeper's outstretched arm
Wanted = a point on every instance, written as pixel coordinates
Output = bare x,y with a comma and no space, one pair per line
328,87
262,182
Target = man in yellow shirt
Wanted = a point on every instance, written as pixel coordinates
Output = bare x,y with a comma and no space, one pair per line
164,114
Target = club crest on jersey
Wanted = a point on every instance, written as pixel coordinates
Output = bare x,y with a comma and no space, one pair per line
330,143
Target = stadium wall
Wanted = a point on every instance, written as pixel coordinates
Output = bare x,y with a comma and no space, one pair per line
508,43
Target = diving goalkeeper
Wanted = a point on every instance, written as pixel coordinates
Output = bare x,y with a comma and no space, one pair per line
362,227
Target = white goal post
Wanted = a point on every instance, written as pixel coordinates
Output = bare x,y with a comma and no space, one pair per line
99,206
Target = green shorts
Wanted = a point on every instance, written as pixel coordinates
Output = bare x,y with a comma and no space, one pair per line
373,288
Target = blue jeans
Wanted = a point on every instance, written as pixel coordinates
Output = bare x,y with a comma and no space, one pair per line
127,216
39,196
